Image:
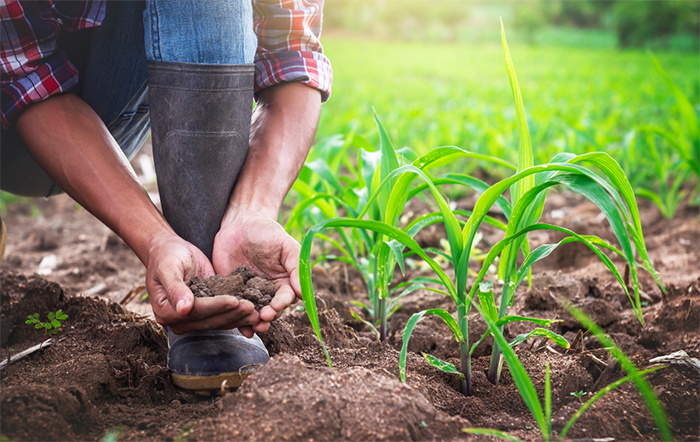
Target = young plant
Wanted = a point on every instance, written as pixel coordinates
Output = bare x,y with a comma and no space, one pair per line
383,175
528,190
611,192
685,141
543,415
667,172
52,324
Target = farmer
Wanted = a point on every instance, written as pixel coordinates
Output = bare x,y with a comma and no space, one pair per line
76,106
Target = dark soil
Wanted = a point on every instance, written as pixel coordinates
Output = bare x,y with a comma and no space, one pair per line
241,283
106,372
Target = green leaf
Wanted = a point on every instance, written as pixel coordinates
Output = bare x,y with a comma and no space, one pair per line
39,325
320,166
442,365
486,299
557,339
548,399
367,323
52,315
388,164
411,324
524,148
377,226
643,386
684,106
520,377
56,323
397,249
513,318
47,325
600,394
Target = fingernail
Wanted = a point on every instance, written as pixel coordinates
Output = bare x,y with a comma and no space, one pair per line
180,305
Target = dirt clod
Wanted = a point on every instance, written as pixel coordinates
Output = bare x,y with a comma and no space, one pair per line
241,283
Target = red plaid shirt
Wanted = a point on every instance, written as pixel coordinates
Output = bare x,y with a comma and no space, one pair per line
34,68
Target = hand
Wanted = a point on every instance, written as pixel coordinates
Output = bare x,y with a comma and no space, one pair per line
172,262
247,237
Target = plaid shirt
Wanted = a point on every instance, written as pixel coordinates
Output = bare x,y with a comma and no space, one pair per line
34,68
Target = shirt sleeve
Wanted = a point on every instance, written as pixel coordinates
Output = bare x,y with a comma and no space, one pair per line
33,67
289,48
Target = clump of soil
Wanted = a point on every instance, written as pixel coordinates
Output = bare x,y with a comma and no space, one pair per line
291,401
241,283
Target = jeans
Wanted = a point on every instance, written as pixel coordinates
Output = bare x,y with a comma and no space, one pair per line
111,60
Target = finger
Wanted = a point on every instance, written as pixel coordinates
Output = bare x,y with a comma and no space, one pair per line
164,312
225,321
291,251
247,331
205,307
283,299
178,294
261,327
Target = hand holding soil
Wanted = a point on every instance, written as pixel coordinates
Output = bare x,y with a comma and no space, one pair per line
171,262
247,238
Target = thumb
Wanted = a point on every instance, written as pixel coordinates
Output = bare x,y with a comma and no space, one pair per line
179,295
290,261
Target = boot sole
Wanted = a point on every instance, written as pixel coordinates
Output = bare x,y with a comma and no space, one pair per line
210,385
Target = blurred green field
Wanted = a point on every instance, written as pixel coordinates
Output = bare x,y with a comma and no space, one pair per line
576,99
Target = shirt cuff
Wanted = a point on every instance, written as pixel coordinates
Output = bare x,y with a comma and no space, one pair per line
56,75
308,67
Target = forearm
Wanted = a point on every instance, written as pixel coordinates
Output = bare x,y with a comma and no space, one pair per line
71,143
283,128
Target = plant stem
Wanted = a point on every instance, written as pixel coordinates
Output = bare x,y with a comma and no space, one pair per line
496,361
464,351
382,317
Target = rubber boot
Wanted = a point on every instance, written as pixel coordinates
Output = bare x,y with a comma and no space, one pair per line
200,124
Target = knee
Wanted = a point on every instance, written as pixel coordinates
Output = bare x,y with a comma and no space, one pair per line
192,31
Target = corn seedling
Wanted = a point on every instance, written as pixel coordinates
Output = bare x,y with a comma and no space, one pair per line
383,175
543,415
52,324
527,188
670,176
685,141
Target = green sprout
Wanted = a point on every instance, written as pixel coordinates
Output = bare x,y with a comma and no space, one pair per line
578,395
51,326
543,415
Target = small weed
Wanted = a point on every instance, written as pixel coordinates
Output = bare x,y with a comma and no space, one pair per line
578,394
51,326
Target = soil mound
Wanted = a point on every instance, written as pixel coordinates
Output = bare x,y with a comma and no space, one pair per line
287,400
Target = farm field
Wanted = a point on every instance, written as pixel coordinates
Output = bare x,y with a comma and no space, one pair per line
105,377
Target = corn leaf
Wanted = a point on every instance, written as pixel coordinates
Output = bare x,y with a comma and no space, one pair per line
524,147
389,162
520,376
411,324
447,367
643,386
684,106
557,339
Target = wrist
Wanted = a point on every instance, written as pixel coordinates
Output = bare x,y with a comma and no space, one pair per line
145,239
239,209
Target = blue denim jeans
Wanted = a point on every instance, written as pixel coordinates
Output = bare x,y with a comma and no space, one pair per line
111,60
